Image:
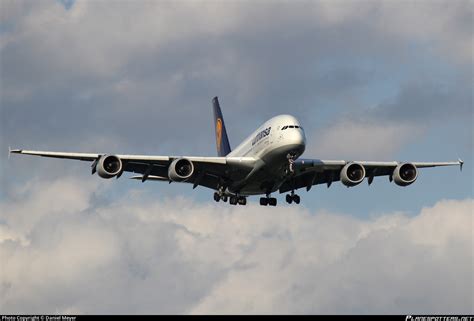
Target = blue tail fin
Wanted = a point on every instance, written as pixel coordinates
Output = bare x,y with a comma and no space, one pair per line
222,141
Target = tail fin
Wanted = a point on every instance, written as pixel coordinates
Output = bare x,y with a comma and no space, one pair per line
222,141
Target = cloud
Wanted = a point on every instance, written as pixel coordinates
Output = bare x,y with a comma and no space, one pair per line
361,140
379,132
138,77
139,254
160,63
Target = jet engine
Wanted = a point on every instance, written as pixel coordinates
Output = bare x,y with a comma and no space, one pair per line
352,174
180,170
405,174
109,166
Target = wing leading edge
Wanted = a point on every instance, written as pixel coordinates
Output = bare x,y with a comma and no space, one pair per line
310,172
209,171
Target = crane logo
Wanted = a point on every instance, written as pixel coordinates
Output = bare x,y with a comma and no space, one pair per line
219,133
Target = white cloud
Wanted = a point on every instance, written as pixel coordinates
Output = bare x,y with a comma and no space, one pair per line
95,38
65,248
142,255
112,65
443,25
361,140
99,40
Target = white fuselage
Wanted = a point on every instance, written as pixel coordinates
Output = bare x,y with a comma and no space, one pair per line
270,145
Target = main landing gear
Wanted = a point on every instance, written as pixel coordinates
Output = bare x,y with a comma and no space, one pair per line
290,198
233,200
264,201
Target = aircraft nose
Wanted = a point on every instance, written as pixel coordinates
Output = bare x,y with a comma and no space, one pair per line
298,137
301,137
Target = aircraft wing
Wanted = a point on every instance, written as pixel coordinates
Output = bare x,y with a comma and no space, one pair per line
209,171
309,172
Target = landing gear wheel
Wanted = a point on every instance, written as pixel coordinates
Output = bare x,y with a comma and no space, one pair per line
290,198
296,199
242,200
233,200
263,201
224,199
272,201
217,198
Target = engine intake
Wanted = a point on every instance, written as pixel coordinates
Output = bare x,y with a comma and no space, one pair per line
352,174
405,174
180,170
109,166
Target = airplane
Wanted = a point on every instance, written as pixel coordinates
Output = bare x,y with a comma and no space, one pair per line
266,162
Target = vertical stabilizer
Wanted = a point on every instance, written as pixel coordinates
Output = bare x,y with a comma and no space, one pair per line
222,141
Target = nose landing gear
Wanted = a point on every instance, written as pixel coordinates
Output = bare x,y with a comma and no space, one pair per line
291,161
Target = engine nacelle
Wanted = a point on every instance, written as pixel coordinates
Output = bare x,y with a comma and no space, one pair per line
405,174
109,166
352,174
180,170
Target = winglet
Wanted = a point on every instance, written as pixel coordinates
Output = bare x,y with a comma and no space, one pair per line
461,162
14,151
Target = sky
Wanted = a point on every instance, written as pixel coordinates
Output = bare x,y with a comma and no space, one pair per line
368,80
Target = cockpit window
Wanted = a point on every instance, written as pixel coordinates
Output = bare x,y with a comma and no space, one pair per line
292,126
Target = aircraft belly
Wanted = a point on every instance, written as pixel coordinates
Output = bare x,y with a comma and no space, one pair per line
271,176
261,185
